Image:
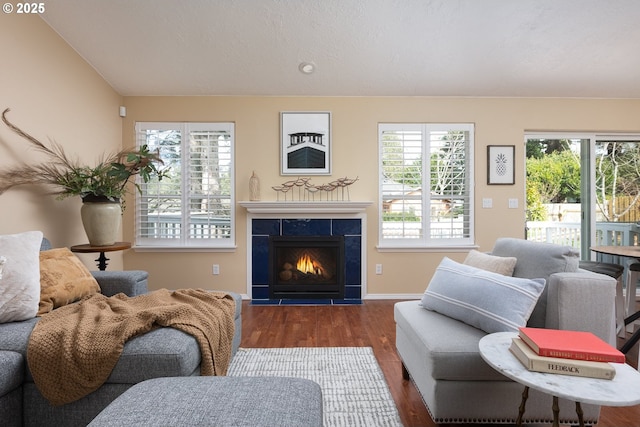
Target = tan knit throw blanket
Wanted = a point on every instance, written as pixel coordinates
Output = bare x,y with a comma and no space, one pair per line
73,349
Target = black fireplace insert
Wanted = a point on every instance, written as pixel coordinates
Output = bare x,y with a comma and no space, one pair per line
306,267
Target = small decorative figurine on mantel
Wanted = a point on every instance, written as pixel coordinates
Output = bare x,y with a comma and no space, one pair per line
254,187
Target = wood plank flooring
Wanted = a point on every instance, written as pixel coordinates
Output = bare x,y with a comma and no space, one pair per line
370,324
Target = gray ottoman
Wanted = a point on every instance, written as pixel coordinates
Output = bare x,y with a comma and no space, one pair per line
216,401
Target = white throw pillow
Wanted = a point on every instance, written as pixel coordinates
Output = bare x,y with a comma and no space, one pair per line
489,301
20,284
3,260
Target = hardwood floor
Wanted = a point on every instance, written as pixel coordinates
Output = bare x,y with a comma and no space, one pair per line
370,324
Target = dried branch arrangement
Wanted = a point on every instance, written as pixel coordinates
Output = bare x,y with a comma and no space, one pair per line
108,178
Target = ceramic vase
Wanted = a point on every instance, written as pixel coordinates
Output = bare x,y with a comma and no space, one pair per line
101,221
254,187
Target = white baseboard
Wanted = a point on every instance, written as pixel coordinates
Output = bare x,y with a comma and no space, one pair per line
373,296
393,296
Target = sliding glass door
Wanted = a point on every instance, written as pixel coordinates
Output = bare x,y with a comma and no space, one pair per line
557,190
583,189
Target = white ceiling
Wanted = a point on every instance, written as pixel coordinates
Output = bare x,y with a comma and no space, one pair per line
538,48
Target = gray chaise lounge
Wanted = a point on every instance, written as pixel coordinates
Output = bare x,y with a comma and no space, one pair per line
441,355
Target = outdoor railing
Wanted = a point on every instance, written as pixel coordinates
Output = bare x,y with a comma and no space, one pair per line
171,227
561,233
568,233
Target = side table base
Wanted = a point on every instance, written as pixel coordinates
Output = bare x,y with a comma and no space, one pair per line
555,408
523,404
580,414
102,261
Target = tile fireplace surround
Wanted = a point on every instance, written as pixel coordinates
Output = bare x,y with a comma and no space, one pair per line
299,218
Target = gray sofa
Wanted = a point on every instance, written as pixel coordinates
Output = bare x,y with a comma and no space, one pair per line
164,352
440,354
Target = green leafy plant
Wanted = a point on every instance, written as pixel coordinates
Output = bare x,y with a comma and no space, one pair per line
108,179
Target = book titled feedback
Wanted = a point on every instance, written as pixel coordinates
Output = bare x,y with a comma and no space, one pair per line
580,368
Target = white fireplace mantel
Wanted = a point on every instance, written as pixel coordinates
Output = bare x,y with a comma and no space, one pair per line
305,207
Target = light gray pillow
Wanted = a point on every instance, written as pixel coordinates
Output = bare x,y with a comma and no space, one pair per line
538,259
489,301
497,264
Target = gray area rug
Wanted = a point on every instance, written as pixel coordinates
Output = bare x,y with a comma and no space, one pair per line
354,390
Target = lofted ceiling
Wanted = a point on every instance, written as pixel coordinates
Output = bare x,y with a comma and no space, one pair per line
495,48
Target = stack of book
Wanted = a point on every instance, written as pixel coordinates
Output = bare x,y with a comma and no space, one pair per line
566,352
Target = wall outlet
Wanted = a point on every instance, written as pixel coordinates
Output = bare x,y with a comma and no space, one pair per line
378,268
216,269
487,203
513,203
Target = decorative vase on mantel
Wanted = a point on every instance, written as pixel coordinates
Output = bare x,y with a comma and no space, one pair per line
254,187
101,219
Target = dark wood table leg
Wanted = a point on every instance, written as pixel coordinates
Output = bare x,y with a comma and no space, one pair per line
556,412
523,404
580,414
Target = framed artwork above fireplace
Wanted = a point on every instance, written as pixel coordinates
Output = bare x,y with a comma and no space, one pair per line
305,143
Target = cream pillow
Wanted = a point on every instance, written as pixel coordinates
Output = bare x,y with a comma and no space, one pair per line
20,284
63,279
495,264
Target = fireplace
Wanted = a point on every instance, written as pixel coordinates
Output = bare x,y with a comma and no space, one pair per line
306,267
311,221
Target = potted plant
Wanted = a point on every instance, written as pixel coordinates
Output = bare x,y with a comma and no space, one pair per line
101,187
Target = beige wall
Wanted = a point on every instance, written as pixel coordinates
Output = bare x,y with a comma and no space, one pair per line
354,136
53,93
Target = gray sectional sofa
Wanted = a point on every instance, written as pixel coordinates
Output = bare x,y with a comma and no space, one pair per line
164,352
440,353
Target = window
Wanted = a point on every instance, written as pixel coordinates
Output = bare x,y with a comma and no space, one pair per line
426,185
194,206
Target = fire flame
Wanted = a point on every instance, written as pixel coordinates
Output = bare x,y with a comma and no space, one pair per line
307,265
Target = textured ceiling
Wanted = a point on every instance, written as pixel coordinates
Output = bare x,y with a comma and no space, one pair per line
539,48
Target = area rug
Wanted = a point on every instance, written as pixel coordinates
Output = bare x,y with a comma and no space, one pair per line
354,390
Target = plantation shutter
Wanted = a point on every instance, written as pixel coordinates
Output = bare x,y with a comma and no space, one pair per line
426,184
193,207
401,185
209,206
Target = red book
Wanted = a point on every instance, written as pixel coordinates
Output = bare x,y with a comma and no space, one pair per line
570,345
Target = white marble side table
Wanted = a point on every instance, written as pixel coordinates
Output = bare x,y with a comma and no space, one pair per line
623,390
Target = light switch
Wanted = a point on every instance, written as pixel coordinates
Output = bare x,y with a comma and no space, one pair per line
513,203
487,202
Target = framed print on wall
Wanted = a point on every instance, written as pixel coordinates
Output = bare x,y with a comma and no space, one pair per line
305,143
500,167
